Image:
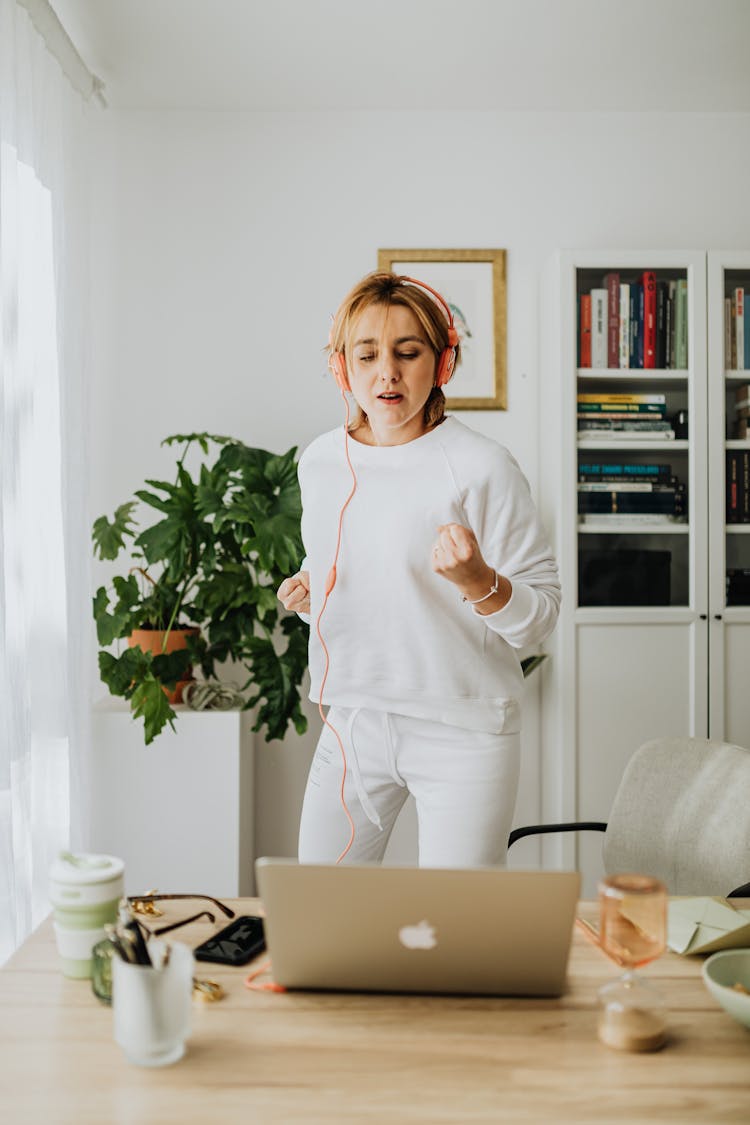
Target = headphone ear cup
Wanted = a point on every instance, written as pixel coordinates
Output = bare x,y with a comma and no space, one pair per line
445,366
337,364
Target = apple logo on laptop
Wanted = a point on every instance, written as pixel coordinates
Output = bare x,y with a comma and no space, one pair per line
418,936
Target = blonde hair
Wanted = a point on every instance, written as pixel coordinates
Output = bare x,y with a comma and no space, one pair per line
384,288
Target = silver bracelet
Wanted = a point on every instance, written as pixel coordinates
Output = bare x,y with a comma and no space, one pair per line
484,599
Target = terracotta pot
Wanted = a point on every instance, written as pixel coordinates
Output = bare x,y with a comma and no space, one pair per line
152,640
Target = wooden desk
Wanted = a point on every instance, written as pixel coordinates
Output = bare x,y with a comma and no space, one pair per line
258,1057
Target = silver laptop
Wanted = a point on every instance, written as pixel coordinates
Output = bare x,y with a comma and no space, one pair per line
370,928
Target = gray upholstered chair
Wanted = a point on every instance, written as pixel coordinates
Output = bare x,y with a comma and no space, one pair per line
682,813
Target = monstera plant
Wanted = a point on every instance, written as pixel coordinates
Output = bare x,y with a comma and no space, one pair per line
220,541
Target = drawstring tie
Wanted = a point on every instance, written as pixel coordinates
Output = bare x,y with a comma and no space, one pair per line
364,800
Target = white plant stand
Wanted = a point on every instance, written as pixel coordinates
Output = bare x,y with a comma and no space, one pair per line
179,812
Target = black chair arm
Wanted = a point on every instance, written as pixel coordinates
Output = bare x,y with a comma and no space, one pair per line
543,829
740,892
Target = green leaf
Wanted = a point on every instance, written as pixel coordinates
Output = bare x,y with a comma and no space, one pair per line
109,538
276,678
151,704
169,667
531,662
121,673
203,439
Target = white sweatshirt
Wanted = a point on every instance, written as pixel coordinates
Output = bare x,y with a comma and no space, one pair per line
400,638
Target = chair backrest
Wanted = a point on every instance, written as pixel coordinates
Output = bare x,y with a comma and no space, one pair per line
682,813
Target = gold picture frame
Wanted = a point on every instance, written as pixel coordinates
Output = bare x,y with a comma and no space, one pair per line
473,283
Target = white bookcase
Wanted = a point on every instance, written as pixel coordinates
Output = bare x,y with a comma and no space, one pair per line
622,674
729,609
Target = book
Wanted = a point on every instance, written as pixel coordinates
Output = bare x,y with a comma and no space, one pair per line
668,502
649,319
669,327
746,344
632,424
624,342
584,356
635,408
739,327
611,283
732,487
608,416
662,296
610,520
605,485
623,470
639,312
621,396
598,328
727,333
625,435
681,326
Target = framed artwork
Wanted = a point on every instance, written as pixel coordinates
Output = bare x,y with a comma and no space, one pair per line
473,284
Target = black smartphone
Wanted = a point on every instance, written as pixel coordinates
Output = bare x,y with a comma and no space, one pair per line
236,944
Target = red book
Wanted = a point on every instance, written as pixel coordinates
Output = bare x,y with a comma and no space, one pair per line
649,318
585,352
612,285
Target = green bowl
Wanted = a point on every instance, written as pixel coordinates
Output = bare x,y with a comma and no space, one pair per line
721,972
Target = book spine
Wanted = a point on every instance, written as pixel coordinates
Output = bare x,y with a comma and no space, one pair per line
614,469
617,486
727,333
669,327
584,359
732,512
625,435
639,325
745,489
619,416
629,519
612,285
628,423
649,319
669,501
598,328
618,471
624,341
618,397
747,342
622,407
739,327
662,291
681,326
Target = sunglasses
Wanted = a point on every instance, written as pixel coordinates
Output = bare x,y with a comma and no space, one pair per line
144,905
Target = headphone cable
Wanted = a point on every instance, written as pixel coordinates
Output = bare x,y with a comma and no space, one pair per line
330,583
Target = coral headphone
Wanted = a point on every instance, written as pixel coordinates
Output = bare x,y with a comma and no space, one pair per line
446,362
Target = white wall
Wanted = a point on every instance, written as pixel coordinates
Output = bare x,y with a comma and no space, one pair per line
224,241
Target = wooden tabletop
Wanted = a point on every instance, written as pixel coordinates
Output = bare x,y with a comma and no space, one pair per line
340,1057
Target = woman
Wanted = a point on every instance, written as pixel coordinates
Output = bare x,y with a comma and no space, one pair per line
427,570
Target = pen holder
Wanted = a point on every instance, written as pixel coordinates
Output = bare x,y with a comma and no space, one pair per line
152,1006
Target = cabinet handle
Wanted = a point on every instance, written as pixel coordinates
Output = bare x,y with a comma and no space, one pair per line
717,617
703,616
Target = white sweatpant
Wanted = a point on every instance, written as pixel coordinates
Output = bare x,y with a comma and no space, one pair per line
464,784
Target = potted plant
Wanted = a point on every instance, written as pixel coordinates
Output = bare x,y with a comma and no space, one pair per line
206,572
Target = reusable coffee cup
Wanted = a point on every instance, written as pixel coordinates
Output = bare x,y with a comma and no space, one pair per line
152,1005
84,890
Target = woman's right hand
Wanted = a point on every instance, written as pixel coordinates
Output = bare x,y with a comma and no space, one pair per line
294,592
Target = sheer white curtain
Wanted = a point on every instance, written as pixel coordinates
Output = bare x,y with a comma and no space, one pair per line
44,537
